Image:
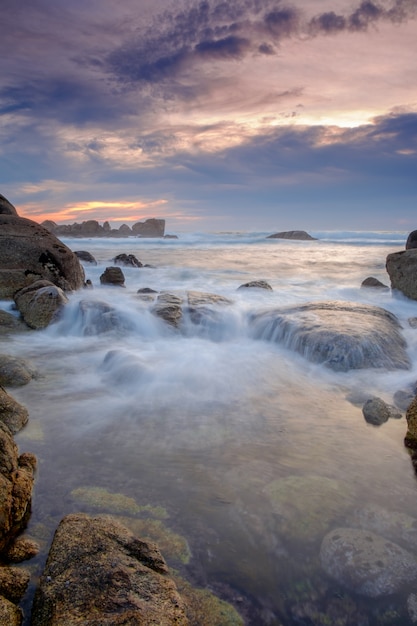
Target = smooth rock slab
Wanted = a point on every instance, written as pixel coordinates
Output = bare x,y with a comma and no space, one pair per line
340,335
366,563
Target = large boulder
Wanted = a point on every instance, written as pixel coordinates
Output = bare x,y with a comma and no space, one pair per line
98,572
16,484
152,227
300,235
411,240
29,252
402,269
340,335
113,276
40,303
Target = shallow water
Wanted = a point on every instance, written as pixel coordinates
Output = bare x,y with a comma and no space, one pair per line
211,423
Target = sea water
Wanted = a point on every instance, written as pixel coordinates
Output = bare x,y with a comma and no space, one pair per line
239,440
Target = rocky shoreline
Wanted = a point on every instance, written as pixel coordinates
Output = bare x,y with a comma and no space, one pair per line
100,572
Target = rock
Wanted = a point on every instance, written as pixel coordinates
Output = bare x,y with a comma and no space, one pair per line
146,290
376,411
412,607
301,235
98,572
340,335
149,228
16,483
40,304
11,324
257,284
402,270
125,230
201,298
10,614
29,252
307,505
113,276
366,563
403,398
85,256
13,414
129,260
122,369
14,372
411,240
411,417
6,207
22,549
373,282
99,317
168,308
13,583
412,321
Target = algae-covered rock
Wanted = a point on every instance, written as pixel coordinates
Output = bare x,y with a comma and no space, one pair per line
206,609
306,505
366,563
100,498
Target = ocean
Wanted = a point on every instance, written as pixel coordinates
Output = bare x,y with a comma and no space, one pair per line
236,454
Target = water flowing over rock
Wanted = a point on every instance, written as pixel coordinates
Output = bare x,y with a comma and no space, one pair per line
152,227
29,252
366,563
402,269
168,308
300,235
98,317
340,335
14,372
98,572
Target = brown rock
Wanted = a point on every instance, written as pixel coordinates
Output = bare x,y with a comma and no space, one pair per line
13,583
22,549
301,235
168,308
13,414
371,281
11,324
257,284
402,269
10,614
149,228
29,252
40,303
98,573
113,276
14,372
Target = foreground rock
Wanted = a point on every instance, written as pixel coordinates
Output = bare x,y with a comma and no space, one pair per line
16,484
300,235
372,282
168,308
12,414
340,335
29,252
366,563
40,303
402,269
14,372
99,573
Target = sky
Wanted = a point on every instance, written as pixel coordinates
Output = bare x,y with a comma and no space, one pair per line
215,115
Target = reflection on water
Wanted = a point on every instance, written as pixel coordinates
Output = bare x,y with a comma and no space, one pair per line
253,452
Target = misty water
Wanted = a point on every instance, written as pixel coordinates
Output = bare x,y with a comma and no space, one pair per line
211,423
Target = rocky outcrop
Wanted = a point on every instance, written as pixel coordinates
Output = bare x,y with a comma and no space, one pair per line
152,227
411,240
98,572
6,207
113,276
29,252
128,260
16,483
340,335
14,372
300,235
40,303
402,269
366,563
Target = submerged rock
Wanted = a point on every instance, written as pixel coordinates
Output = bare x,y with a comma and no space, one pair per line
373,282
13,414
98,572
402,269
394,525
168,308
340,335
366,563
113,276
97,317
128,260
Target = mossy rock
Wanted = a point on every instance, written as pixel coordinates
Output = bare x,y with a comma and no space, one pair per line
206,609
306,505
99,498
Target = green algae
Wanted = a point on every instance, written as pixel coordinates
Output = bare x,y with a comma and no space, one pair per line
204,608
100,499
306,505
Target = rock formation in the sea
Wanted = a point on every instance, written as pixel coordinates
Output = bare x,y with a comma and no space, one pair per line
168,308
85,256
40,303
113,276
374,283
300,235
402,270
128,260
411,240
376,411
29,252
6,207
151,227
98,572
340,335
256,284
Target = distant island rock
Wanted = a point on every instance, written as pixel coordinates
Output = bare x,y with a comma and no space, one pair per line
301,235
152,227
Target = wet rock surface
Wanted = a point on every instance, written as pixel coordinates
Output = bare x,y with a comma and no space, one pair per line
40,303
402,269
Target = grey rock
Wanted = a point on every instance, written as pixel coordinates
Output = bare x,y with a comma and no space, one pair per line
257,284
376,411
14,372
340,335
403,398
113,276
98,317
366,563
402,270
373,282
168,307
301,235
